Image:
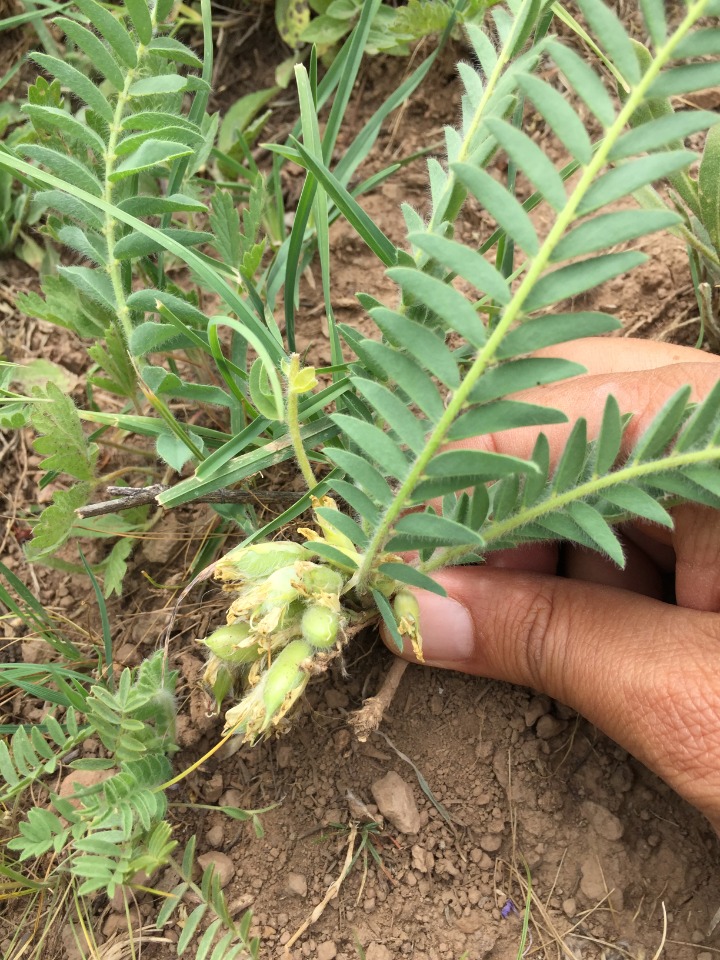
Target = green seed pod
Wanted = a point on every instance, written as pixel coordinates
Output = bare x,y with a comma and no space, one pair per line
321,579
406,606
224,643
284,676
320,626
407,611
259,560
281,589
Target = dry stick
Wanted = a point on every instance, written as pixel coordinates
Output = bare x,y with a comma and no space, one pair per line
367,719
128,497
332,892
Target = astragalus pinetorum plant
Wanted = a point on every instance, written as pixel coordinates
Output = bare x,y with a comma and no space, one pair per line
121,153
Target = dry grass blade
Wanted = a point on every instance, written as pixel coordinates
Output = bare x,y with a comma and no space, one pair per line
332,892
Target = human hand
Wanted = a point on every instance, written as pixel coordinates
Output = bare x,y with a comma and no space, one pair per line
602,640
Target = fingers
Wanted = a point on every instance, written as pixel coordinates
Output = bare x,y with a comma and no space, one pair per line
696,539
622,354
643,671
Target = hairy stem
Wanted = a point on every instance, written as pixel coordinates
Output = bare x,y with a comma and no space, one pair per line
293,424
553,504
114,269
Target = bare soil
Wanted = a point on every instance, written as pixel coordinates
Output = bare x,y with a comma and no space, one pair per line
517,795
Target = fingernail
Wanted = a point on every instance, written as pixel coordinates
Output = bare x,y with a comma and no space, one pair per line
446,629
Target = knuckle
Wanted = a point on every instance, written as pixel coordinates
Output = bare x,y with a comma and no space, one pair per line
539,628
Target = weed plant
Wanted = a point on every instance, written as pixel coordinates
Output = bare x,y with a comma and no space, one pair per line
125,160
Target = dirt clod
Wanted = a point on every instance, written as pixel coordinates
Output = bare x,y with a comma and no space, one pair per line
604,823
396,802
491,842
378,951
326,951
549,727
297,884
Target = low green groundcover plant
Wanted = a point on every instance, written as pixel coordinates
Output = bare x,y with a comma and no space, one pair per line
122,154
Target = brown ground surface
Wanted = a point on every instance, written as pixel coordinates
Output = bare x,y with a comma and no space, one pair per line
530,790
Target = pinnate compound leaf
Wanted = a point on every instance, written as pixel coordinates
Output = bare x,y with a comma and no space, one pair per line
378,446
56,521
501,204
96,51
111,29
531,159
61,439
460,259
80,85
577,278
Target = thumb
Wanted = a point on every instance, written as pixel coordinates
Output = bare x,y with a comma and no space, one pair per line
639,669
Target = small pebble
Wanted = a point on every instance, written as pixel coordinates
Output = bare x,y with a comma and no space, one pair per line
569,907
224,867
296,884
396,802
548,727
491,842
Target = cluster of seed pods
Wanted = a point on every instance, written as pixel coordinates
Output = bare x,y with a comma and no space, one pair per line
287,620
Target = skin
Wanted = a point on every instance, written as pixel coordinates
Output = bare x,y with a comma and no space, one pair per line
636,651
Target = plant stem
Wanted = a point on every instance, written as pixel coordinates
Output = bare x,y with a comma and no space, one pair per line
293,423
514,309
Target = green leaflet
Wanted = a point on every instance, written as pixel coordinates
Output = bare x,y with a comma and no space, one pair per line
364,473
499,202
708,180
408,428
150,153
77,82
449,304
95,49
376,444
609,229
111,29
470,265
